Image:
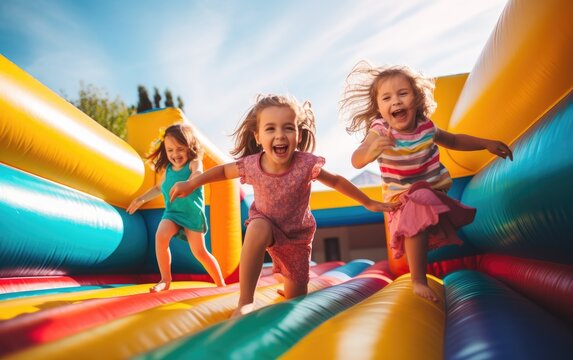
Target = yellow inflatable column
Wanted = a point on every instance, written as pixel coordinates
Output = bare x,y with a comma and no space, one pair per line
522,72
223,197
447,93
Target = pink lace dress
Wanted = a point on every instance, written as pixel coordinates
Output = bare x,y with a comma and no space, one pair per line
283,201
427,209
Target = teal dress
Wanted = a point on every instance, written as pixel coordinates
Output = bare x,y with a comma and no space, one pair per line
189,211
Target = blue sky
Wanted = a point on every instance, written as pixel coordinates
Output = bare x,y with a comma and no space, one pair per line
219,54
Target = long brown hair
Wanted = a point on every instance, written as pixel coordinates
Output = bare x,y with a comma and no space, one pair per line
359,102
183,134
245,142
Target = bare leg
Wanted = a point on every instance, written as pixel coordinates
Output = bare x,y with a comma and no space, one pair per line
294,289
416,250
165,232
197,245
281,279
259,235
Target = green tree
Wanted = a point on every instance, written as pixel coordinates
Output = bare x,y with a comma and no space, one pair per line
111,114
143,102
168,98
156,98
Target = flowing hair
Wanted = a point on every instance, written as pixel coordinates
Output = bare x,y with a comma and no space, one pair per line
359,102
183,134
245,142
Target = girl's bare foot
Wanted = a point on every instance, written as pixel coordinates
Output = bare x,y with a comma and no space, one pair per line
243,310
160,286
424,291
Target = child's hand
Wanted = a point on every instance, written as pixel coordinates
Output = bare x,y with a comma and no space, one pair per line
180,189
378,206
499,148
380,144
135,204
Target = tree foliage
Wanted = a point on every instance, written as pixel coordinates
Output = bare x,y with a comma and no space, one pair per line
169,98
143,102
156,98
111,114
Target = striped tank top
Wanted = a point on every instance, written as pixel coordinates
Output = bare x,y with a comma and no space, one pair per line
415,157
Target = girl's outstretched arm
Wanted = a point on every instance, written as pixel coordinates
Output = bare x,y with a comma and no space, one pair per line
150,194
468,143
217,173
343,186
370,149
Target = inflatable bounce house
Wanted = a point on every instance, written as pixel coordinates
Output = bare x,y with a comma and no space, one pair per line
75,268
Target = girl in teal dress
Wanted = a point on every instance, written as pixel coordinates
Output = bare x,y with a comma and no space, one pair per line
177,156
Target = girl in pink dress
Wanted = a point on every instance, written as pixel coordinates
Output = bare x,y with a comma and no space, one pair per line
273,145
392,105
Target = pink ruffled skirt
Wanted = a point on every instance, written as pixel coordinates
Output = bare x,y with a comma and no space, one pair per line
426,209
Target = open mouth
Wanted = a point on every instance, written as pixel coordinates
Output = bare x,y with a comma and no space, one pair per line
280,149
399,113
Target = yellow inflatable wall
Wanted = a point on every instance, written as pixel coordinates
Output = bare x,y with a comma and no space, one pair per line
531,30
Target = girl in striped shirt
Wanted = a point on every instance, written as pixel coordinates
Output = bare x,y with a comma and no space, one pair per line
392,105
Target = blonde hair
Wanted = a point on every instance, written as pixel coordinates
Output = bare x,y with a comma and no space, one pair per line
183,134
359,101
245,142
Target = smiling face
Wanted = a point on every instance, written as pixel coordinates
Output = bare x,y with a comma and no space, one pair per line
279,136
177,153
396,102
